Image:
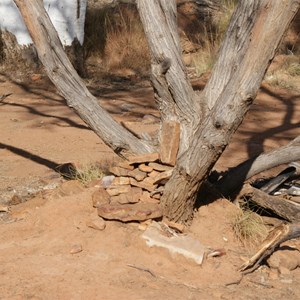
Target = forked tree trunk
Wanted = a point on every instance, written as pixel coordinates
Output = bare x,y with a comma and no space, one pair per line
209,119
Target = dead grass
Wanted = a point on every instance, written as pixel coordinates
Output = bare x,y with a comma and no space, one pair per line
126,44
248,227
285,74
205,58
85,173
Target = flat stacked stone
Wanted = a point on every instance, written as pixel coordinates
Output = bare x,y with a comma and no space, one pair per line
135,192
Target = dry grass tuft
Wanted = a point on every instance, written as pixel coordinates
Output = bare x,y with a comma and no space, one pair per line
126,44
248,227
285,74
85,173
205,57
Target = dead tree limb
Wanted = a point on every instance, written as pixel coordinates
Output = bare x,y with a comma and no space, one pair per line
284,208
235,177
277,236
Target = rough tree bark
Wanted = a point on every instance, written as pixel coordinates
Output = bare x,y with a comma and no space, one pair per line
209,119
69,84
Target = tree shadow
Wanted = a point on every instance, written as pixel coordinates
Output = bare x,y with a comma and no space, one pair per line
255,146
286,124
33,157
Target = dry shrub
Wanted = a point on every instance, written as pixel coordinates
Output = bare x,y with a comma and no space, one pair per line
248,227
126,45
285,72
85,173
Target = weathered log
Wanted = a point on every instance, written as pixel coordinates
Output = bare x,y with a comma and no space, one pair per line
277,236
284,208
235,177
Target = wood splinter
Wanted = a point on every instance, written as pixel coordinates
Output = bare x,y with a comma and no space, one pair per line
278,235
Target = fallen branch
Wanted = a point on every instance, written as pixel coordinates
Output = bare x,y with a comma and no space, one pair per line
277,236
284,208
235,177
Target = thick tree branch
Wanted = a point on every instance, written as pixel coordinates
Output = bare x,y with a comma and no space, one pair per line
70,85
235,177
174,93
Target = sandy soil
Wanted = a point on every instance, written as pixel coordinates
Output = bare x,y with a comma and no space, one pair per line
38,132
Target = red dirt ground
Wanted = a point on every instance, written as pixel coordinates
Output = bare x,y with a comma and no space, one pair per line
38,131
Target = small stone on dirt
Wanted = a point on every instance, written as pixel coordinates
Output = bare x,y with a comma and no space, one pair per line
96,223
284,259
15,200
71,187
76,249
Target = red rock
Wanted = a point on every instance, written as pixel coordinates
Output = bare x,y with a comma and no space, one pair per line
163,177
145,184
159,167
284,259
118,171
169,142
70,187
96,223
145,197
137,174
130,212
120,181
173,225
125,165
117,190
144,158
154,173
145,168
100,197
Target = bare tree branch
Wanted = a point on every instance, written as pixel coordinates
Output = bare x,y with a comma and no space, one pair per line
235,177
69,84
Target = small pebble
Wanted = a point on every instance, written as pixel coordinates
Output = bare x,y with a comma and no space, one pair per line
76,249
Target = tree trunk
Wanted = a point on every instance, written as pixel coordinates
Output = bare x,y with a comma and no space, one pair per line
69,84
208,120
235,177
